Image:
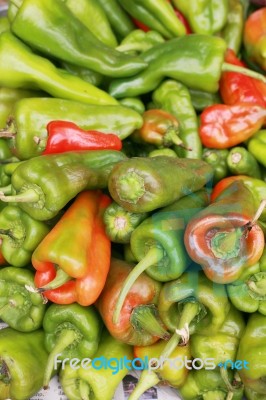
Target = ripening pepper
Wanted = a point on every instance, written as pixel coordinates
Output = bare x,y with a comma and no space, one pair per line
73,268
70,331
19,308
139,323
99,382
225,237
257,146
241,162
233,29
139,41
217,158
22,362
254,37
76,45
44,185
20,235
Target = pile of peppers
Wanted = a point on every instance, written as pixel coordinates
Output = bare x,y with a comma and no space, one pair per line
133,197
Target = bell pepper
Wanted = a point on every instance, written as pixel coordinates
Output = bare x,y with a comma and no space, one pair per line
157,243
254,37
27,127
225,237
66,136
217,158
174,98
20,68
160,128
145,184
65,272
199,67
252,350
44,185
135,103
119,223
20,235
224,126
20,309
77,45
257,146
22,362
70,331
86,383
139,323
241,162
233,29
204,16
248,293
139,41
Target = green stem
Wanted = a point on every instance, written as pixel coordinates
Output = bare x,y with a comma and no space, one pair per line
29,196
147,380
4,133
213,395
6,189
242,70
60,278
154,255
65,338
146,318
84,390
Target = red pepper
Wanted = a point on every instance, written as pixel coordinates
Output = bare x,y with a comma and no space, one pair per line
3,262
73,260
223,126
238,88
67,136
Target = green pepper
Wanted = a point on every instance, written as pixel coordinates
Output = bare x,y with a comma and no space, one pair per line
76,45
44,185
242,162
86,74
174,97
163,152
248,294
71,331
252,349
6,170
204,16
134,103
257,146
144,184
86,383
27,133
217,159
233,29
253,395
139,41
201,99
4,24
22,362
20,309
5,153
20,235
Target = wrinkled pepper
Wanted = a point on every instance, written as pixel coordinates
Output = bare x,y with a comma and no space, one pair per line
59,179
76,45
65,272
20,309
22,362
217,158
225,237
70,331
87,383
241,162
254,37
139,41
257,146
139,323
144,184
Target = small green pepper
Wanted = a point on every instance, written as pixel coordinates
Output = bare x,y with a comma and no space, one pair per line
233,29
257,146
139,41
217,158
242,162
163,152
86,74
20,309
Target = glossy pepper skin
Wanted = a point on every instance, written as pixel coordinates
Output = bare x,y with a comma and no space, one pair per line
59,179
26,131
77,46
254,37
174,98
20,68
20,309
66,136
82,383
139,323
20,235
252,349
233,29
22,362
65,273
241,162
138,41
144,184
217,158
257,146
222,238
223,126
70,331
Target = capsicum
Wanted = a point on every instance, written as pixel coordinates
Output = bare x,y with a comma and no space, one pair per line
241,162
217,158
257,146
233,29
139,41
254,37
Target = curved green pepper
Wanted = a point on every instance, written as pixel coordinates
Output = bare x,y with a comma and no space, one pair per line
233,29
257,146
217,159
134,103
241,162
139,41
86,74
201,99
70,331
20,309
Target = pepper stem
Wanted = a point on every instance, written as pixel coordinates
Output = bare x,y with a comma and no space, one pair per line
232,387
60,278
84,390
257,285
146,318
29,196
147,380
226,67
154,255
6,189
4,133
64,339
